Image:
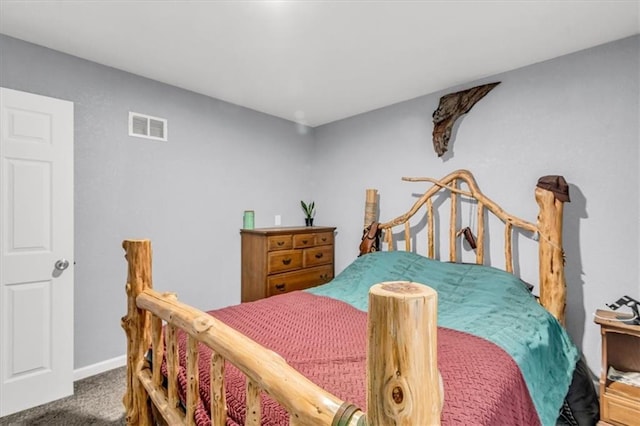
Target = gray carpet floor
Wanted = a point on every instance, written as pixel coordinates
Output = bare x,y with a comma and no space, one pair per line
97,400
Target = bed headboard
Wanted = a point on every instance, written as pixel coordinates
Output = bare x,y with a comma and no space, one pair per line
462,185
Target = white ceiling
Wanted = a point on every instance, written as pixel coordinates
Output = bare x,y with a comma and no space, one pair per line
315,62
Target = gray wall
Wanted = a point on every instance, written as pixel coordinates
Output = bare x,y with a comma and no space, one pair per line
576,116
188,194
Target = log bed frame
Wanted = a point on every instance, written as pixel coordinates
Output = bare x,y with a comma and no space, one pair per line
403,390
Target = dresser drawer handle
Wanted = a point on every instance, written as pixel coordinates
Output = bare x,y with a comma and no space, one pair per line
319,255
324,276
280,287
324,239
286,261
305,241
280,243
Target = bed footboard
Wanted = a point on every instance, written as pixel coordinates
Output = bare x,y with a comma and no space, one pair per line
403,381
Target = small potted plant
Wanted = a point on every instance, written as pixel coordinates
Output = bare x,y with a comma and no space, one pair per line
309,211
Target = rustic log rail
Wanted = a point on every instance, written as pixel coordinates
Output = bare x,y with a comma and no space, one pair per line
548,229
266,371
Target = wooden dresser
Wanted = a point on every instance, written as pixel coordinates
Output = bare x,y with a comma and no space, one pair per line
279,260
619,403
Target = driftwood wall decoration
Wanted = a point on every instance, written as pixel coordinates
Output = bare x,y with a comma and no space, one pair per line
450,108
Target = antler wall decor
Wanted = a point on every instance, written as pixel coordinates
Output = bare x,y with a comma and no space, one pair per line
450,108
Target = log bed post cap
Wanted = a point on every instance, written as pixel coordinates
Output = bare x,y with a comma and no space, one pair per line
128,242
402,289
557,185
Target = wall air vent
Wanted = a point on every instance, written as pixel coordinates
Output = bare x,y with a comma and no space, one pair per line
146,126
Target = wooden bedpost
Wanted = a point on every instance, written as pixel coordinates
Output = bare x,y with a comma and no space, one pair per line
371,207
404,385
136,325
553,288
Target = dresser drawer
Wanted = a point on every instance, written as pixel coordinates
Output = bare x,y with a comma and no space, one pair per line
320,255
284,260
298,280
324,238
304,240
279,242
621,411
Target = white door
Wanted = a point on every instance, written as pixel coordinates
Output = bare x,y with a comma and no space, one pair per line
36,250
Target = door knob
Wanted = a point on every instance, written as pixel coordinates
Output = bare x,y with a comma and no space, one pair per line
62,264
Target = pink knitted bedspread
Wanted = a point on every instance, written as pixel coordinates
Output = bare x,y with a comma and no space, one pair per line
326,341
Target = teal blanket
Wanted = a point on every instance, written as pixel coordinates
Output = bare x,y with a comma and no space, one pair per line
482,301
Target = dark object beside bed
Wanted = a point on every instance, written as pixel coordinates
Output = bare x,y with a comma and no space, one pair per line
580,407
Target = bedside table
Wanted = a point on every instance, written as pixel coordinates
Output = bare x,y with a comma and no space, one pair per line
280,260
619,403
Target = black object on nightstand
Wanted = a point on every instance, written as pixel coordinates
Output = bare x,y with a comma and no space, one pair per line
630,302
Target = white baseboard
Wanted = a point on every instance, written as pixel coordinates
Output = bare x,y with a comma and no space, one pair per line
100,367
